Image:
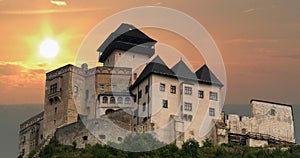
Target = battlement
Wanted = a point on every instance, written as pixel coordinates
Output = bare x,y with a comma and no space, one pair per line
35,119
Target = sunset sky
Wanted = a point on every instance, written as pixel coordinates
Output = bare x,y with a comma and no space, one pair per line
258,40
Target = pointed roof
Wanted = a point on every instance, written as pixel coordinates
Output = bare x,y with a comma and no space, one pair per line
127,37
204,75
156,66
158,60
181,70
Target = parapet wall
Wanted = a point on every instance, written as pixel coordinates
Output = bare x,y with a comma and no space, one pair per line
35,119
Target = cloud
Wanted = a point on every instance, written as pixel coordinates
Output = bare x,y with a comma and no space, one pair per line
48,11
10,69
58,2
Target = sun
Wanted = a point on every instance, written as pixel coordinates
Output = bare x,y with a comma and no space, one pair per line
49,48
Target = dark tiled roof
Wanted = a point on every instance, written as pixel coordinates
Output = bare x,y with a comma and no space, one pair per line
204,75
156,66
181,70
124,38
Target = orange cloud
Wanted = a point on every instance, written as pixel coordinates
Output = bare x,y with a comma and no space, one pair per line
10,69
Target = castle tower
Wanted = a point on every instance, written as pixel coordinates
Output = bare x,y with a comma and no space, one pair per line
127,47
59,106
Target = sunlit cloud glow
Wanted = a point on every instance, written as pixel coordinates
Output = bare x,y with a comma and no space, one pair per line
58,2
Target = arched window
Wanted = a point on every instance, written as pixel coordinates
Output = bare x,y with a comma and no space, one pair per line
56,100
112,100
51,101
127,100
104,100
120,100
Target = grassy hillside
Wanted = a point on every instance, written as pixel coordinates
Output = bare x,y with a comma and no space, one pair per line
190,149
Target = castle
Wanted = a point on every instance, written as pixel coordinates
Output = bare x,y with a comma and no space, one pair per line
131,93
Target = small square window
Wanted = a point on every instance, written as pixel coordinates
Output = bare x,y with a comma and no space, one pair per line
173,89
102,87
273,112
165,103
162,87
120,139
213,96
188,106
200,94
188,90
211,111
85,138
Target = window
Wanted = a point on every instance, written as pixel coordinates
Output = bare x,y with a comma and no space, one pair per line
102,136
101,87
147,89
173,89
53,88
213,96
190,117
75,89
134,76
188,90
85,138
120,100
104,100
165,103
86,94
188,106
162,87
54,121
55,110
140,94
144,106
56,100
200,94
211,111
185,117
51,101
127,100
273,112
120,139
112,100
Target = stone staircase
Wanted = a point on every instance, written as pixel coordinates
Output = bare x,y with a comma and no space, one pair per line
45,143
